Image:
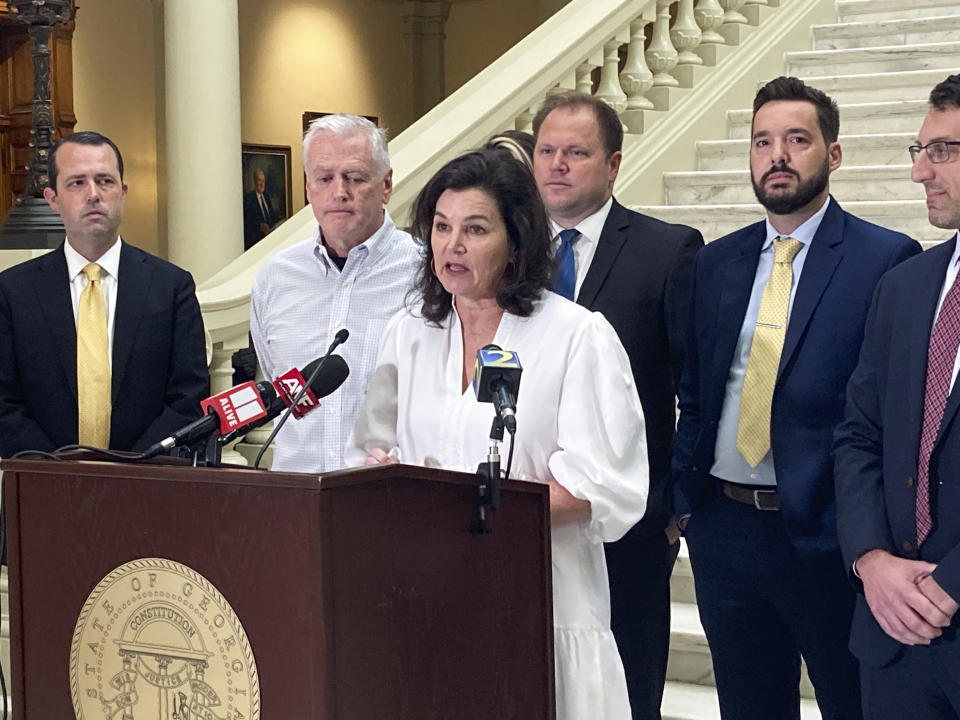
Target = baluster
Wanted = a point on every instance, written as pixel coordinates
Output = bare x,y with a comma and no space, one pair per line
685,35
221,379
636,78
609,89
732,14
709,17
567,83
584,77
661,55
524,121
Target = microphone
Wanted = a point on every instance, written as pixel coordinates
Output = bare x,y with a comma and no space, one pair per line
330,377
225,411
496,379
249,405
294,404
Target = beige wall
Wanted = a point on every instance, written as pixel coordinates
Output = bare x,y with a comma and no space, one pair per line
335,56
480,31
295,55
115,93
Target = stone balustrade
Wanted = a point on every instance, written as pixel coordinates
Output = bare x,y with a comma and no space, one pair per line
640,56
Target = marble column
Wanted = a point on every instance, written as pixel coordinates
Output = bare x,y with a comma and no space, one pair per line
204,183
424,22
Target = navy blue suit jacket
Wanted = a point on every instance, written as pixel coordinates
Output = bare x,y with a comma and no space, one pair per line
843,265
159,373
879,440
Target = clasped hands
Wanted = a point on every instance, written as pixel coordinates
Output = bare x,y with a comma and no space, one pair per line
906,601
379,457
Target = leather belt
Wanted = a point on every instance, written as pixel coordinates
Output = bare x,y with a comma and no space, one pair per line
760,499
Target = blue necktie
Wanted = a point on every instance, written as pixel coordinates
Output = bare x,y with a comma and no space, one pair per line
565,282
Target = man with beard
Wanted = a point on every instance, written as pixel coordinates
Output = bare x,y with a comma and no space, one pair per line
777,316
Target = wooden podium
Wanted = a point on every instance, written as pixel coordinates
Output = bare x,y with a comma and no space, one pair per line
366,595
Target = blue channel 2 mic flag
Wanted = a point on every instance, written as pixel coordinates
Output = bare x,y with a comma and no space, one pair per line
494,364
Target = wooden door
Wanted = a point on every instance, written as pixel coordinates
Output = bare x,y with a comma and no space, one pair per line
16,98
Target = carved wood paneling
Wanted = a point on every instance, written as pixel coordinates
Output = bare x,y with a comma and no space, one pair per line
16,98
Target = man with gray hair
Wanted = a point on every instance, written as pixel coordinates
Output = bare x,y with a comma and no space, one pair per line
352,273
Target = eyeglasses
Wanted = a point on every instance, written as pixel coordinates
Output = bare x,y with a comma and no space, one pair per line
937,152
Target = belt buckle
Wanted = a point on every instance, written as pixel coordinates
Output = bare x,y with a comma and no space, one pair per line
756,500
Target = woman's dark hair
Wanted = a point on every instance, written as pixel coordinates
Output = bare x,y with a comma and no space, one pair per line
510,184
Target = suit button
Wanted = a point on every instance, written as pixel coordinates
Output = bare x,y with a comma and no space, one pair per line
909,482
907,546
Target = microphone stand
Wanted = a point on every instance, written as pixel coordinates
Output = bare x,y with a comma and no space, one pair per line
488,475
214,451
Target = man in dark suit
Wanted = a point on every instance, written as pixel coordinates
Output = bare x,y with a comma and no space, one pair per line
777,316
148,370
898,458
636,271
258,214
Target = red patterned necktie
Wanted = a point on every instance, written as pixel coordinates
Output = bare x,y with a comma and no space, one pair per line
940,359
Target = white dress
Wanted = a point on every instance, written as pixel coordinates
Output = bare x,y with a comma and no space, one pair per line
579,421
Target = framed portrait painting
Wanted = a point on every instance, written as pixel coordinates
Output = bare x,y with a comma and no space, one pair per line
266,190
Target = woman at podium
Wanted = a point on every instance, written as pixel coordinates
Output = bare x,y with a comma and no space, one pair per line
485,279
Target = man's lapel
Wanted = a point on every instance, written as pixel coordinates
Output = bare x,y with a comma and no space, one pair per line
612,238
736,278
133,289
52,291
823,256
930,296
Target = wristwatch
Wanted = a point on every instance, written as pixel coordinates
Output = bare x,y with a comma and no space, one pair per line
682,521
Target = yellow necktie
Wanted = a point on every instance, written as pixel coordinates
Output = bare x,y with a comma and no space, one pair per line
93,363
753,426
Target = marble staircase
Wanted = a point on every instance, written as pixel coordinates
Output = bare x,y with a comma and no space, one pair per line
879,62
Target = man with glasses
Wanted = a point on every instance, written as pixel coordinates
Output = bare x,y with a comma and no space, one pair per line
898,458
777,317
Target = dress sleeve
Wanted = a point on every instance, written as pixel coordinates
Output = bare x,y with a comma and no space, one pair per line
602,455
376,423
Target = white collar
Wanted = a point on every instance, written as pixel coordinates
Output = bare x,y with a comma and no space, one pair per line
109,261
804,233
591,227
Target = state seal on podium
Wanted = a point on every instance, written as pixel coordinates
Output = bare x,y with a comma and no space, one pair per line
155,639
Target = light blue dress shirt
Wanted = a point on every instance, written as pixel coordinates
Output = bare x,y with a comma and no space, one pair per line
728,463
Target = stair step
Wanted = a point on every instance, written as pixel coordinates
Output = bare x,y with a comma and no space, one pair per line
689,659
715,221
879,149
889,58
868,182
681,580
910,31
897,116
851,10
878,87
683,701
